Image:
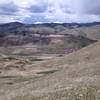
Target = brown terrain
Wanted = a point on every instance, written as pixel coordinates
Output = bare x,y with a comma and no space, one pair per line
50,62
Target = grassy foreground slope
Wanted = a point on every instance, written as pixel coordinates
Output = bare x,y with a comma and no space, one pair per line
77,77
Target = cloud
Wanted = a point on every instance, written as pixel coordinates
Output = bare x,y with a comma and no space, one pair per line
91,7
30,11
8,9
39,7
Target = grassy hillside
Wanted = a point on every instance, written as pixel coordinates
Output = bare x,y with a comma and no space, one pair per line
73,77
50,61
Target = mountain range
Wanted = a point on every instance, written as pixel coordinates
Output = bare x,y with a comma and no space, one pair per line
19,34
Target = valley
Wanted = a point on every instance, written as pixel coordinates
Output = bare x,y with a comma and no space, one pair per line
49,61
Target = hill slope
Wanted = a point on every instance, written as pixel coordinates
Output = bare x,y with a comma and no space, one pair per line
77,77
18,34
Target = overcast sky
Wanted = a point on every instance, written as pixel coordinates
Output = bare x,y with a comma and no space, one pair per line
37,11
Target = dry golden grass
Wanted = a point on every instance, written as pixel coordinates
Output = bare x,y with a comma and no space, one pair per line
76,77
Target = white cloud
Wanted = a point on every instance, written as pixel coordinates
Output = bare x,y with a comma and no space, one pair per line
50,10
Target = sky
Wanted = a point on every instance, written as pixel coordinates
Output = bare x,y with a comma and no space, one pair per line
43,11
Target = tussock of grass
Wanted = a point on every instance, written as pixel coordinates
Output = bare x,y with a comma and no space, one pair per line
80,93
76,93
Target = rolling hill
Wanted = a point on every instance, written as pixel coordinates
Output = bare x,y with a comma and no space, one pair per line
49,37
76,76
50,61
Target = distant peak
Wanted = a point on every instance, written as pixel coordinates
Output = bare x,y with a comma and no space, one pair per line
16,23
12,24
